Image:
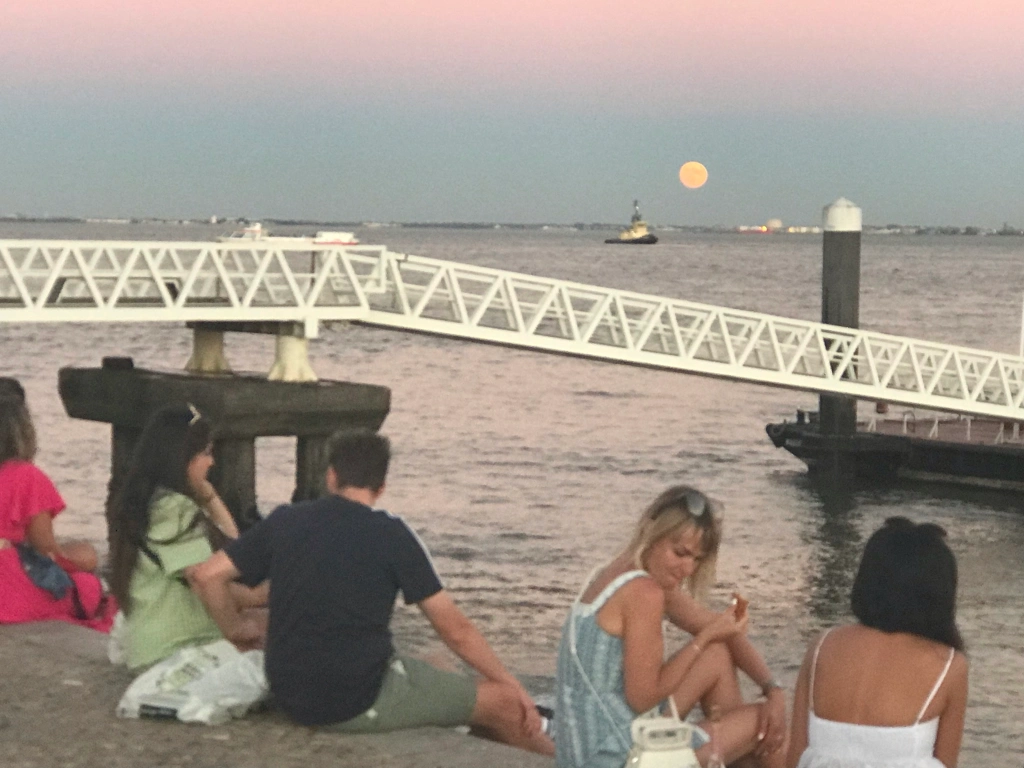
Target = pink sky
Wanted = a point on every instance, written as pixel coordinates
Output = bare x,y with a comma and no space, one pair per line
712,55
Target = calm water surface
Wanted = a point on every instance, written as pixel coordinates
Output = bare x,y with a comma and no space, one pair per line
522,470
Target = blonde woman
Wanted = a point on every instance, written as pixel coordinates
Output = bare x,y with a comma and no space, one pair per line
611,664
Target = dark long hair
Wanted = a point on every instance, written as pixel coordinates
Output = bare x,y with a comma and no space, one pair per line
17,434
907,582
172,437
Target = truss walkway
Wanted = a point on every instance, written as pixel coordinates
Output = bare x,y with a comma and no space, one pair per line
252,282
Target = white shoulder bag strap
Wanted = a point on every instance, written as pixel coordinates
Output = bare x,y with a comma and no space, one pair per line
616,726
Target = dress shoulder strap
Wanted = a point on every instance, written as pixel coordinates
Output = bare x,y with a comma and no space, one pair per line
609,590
598,601
614,585
938,684
814,667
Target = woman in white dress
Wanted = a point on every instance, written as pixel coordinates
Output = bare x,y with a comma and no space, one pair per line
891,690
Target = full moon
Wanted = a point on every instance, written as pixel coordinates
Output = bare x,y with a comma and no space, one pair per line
693,175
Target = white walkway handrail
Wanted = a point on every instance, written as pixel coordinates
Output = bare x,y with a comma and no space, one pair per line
93,281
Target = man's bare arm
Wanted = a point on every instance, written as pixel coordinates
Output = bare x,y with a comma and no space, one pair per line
464,639
214,582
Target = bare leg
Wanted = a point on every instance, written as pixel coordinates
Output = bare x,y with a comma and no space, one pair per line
736,738
735,735
498,713
711,681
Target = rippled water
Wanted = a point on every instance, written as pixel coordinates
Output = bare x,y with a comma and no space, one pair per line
523,470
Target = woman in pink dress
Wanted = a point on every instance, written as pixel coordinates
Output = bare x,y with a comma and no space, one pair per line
28,503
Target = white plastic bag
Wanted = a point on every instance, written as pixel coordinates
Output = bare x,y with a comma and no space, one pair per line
116,651
201,684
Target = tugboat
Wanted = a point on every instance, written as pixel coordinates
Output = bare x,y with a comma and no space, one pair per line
636,233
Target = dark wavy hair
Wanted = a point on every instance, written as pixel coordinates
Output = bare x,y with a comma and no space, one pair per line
17,433
907,582
172,437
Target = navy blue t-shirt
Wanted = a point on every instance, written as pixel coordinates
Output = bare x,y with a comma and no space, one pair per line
335,569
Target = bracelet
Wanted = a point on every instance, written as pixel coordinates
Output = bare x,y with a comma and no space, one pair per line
771,684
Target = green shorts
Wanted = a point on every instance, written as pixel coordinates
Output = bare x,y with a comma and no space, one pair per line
413,694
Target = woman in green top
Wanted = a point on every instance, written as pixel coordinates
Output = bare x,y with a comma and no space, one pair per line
159,526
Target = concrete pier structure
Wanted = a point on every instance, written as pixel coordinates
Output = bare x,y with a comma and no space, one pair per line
241,409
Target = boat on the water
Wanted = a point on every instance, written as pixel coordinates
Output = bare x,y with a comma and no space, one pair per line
963,450
256,233
636,233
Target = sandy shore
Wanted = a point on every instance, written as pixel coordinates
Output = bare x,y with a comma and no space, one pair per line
57,699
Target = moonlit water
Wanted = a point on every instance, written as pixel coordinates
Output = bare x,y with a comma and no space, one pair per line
522,471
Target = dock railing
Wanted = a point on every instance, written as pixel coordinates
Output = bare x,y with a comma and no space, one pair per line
45,281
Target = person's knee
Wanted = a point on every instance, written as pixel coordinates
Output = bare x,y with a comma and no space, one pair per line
496,705
719,656
499,714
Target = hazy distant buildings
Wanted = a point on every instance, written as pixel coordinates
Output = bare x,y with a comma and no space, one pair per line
775,226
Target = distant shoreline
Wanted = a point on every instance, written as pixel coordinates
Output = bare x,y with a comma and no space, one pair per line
888,229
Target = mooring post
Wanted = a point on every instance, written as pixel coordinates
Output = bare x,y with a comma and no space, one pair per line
840,305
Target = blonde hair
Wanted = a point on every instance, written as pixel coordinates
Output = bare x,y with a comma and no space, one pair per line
678,507
17,435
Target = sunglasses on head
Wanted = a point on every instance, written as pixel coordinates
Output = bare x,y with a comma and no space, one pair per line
697,504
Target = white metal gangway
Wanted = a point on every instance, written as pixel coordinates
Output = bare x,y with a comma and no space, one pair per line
120,281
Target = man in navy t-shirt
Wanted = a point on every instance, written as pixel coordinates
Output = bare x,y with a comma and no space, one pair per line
336,566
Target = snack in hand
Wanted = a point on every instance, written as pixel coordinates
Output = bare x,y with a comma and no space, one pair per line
741,604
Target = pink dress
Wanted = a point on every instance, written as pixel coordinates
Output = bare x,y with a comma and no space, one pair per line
25,491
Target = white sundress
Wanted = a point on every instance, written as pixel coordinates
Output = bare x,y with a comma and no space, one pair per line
833,744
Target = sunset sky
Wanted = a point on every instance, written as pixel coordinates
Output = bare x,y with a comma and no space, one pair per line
525,111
